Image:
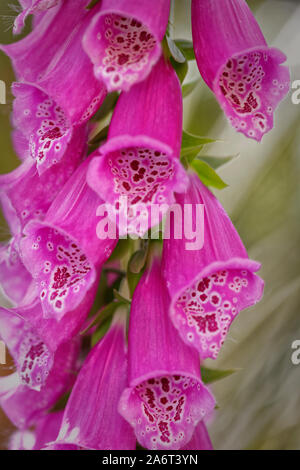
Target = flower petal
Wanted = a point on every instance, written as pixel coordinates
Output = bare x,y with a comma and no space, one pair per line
123,40
166,398
101,381
235,61
215,282
140,160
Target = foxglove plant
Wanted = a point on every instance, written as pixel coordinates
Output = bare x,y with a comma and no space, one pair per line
62,252
139,163
235,61
214,283
74,289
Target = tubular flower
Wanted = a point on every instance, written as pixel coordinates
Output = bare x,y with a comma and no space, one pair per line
123,40
166,398
209,286
30,7
48,133
139,162
91,419
236,63
24,406
62,252
57,89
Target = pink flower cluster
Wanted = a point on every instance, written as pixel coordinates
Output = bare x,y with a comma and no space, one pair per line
145,386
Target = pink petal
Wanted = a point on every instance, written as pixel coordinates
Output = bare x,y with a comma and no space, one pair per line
200,439
208,286
140,161
166,398
25,406
63,253
91,418
123,40
237,64
15,280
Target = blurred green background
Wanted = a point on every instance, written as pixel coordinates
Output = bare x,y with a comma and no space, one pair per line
259,405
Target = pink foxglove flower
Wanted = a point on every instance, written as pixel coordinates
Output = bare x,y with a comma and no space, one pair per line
139,163
58,89
166,398
208,286
23,405
91,419
47,133
123,40
200,439
236,63
63,252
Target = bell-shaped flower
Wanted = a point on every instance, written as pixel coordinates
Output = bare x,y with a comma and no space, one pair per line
123,40
235,61
49,133
91,419
166,398
24,406
63,252
139,164
209,286
57,89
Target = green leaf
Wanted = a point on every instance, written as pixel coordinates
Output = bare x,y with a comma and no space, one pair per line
107,106
191,146
99,137
135,268
105,313
186,48
188,88
175,52
213,375
92,4
181,69
122,248
207,174
100,332
217,162
120,297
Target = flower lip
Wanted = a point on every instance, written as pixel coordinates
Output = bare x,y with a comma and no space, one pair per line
143,170
60,271
249,86
165,407
124,58
211,319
